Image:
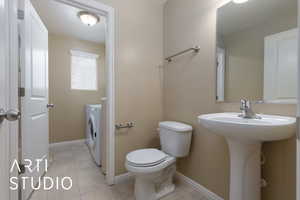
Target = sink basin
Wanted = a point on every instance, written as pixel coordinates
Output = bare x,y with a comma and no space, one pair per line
268,128
244,138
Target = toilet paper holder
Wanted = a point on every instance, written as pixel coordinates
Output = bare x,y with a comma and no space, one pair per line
124,125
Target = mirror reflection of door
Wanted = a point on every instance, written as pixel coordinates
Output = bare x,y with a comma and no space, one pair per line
261,51
220,73
280,77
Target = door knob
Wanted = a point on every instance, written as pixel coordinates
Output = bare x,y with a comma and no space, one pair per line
10,115
50,105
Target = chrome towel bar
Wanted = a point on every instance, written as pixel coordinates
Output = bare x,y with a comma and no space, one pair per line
195,49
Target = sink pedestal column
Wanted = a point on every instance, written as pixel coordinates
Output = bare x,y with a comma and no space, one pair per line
245,170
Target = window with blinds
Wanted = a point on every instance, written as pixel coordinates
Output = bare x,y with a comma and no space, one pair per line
84,71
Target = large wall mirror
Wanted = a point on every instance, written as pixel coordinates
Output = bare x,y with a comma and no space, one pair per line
257,51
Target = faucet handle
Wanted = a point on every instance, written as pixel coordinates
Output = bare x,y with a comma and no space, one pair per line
243,104
244,101
248,104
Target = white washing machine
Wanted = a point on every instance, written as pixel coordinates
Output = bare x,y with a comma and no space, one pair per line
93,130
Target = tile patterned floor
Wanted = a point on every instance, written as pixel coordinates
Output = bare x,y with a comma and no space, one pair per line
88,182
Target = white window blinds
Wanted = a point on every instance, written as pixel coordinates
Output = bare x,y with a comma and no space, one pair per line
84,73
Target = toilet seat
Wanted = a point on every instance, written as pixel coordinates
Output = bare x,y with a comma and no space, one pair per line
146,157
148,161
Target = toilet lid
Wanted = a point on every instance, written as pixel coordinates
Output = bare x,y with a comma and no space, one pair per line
146,157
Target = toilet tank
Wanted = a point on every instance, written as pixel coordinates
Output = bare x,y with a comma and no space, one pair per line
175,138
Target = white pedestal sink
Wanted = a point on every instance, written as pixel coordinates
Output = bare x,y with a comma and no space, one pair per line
244,137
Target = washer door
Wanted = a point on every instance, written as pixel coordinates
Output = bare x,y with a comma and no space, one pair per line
92,130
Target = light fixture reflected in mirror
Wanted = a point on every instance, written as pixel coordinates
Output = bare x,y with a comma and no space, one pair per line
239,1
88,18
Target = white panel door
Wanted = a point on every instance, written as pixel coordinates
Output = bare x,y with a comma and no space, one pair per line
34,121
281,63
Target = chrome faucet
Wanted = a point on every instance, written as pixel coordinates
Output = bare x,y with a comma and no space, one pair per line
247,111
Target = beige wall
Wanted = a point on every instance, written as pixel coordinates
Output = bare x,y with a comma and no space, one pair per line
67,119
245,58
189,91
138,85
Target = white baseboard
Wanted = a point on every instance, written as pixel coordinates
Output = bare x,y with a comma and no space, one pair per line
182,179
123,177
201,189
67,143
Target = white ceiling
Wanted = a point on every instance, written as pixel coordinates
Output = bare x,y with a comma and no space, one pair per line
236,17
62,19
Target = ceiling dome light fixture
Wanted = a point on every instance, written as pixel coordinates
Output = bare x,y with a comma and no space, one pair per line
239,1
88,18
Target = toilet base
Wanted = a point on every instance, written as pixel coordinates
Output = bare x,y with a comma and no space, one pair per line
146,190
155,185
165,191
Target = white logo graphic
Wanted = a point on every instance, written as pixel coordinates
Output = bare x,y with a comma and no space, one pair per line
45,183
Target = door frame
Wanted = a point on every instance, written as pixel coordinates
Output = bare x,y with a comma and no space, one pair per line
110,56
10,69
298,117
4,97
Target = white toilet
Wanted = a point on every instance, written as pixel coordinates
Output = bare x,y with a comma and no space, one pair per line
154,169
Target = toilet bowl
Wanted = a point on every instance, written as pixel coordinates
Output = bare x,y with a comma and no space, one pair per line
154,169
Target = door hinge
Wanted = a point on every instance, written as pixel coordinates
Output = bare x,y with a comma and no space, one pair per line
21,14
19,41
21,92
22,168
